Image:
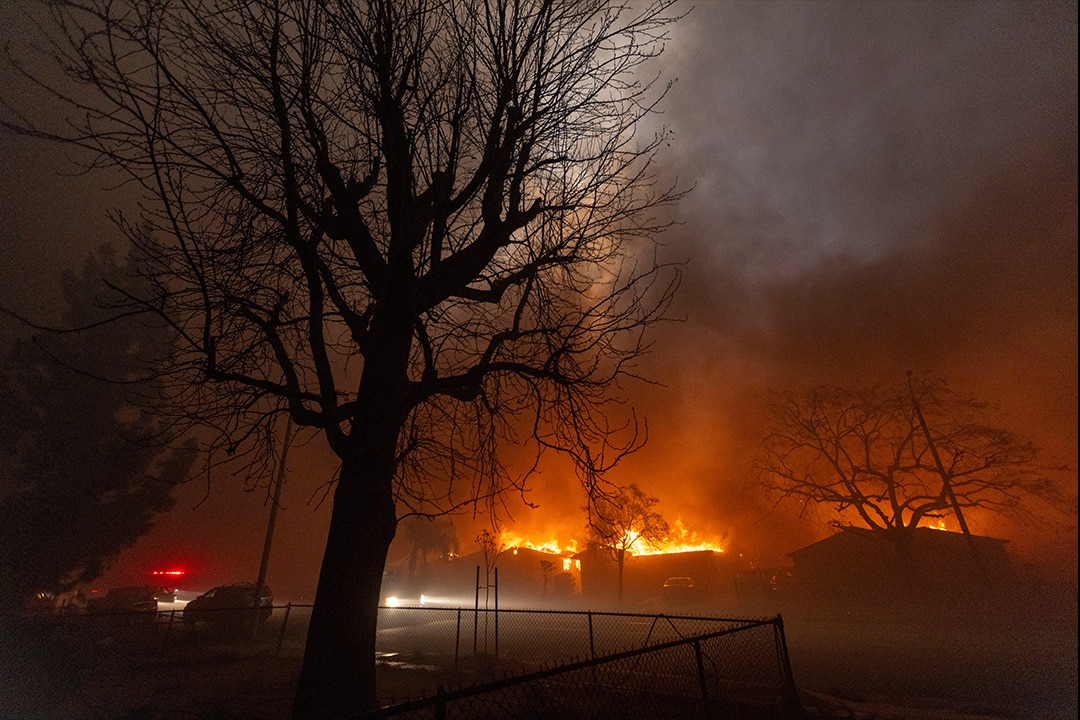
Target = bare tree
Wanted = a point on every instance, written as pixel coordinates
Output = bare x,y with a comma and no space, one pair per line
893,458
618,523
418,227
490,549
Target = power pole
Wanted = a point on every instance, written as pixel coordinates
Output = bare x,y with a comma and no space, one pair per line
260,584
946,484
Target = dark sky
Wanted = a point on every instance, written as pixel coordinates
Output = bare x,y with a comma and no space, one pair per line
877,187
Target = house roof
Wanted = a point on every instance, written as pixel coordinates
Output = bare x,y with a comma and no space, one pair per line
850,536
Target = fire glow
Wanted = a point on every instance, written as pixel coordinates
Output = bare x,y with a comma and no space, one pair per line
679,540
552,546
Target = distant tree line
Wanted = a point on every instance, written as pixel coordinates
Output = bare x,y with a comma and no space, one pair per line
84,468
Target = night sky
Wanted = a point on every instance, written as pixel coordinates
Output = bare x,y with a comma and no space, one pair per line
877,187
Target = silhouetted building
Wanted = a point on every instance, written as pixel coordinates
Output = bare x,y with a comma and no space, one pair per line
871,566
526,578
712,573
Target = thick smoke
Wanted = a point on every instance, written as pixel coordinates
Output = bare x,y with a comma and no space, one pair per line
877,187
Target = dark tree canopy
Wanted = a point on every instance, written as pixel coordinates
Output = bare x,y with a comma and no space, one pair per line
84,470
896,457
450,188
421,228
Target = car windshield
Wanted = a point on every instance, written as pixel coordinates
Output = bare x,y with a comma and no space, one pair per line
128,593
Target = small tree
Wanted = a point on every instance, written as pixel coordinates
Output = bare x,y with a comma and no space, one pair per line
490,549
895,457
620,522
419,228
85,470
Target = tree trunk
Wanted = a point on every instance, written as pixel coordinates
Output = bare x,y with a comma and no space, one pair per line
337,678
338,674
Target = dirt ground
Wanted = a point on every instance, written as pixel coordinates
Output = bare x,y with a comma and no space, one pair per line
843,668
50,673
260,687
236,684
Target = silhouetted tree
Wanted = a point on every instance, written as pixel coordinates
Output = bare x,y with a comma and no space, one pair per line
418,227
426,536
490,550
85,470
622,521
546,568
896,457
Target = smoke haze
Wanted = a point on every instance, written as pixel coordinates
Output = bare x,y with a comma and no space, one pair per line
877,187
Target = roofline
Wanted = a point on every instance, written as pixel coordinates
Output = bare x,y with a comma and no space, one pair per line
878,534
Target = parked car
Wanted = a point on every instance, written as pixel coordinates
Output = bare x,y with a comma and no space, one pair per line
164,595
38,604
230,605
680,592
133,599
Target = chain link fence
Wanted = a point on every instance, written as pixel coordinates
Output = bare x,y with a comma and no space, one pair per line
742,671
532,637
655,660
445,635
1019,662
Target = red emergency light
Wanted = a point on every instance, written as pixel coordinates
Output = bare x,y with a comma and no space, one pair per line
170,573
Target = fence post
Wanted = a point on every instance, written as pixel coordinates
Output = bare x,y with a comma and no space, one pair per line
281,634
792,707
592,645
457,640
705,704
496,613
476,611
168,628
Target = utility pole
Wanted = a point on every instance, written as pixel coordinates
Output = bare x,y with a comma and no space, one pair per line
946,484
260,585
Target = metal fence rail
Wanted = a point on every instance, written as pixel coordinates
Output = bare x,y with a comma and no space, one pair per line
736,672
444,636
533,636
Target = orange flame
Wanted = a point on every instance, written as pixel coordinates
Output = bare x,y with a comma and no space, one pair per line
552,546
680,540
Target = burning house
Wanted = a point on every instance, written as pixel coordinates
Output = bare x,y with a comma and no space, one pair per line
554,574
526,578
707,579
